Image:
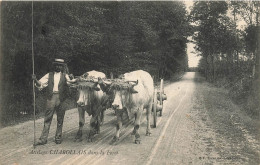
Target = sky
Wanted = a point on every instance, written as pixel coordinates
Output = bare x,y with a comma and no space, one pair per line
192,56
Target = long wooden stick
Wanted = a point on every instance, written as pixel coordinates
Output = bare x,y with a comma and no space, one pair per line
34,137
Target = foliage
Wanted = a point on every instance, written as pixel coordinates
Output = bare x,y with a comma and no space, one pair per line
228,52
115,37
251,38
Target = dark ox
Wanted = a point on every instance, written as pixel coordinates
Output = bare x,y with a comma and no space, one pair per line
134,101
93,101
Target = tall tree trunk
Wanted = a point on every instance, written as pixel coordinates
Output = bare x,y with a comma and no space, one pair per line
230,63
257,59
256,55
213,68
254,99
207,68
236,51
237,56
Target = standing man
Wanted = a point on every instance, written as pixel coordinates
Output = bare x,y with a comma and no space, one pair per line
57,90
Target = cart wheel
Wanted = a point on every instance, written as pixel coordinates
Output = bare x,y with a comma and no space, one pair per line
154,108
161,93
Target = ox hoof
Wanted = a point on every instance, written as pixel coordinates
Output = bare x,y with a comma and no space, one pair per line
78,139
137,141
90,139
79,135
115,139
148,133
134,132
137,136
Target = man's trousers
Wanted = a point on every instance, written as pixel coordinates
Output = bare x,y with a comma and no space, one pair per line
53,105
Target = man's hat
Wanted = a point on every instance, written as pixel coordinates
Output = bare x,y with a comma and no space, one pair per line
59,61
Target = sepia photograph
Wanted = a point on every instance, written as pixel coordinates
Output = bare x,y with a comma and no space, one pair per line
129,82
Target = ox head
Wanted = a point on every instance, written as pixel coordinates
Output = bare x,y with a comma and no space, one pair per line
122,91
88,91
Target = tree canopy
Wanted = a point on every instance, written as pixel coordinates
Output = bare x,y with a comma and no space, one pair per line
115,37
230,52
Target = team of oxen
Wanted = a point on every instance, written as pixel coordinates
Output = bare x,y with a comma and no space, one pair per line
128,95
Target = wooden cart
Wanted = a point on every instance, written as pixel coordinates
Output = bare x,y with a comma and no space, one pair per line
159,97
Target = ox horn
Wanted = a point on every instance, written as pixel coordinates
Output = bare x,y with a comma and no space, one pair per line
107,82
96,88
104,85
135,82
132,90
101,81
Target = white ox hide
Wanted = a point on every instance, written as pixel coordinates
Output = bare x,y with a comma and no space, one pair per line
135,103
90,100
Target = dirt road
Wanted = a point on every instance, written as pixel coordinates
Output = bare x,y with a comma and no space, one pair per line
199,125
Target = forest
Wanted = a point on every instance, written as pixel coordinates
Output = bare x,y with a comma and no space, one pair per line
111,37
227,38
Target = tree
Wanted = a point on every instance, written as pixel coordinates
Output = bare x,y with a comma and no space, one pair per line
215,35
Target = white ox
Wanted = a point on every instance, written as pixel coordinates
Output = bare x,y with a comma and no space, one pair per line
93,102
134,102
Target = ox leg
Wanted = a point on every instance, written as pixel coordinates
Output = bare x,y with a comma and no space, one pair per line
95,122
137,125
148,116
93,128
81,112
102,116
127,115
99,118
134,131
105,104
118,125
